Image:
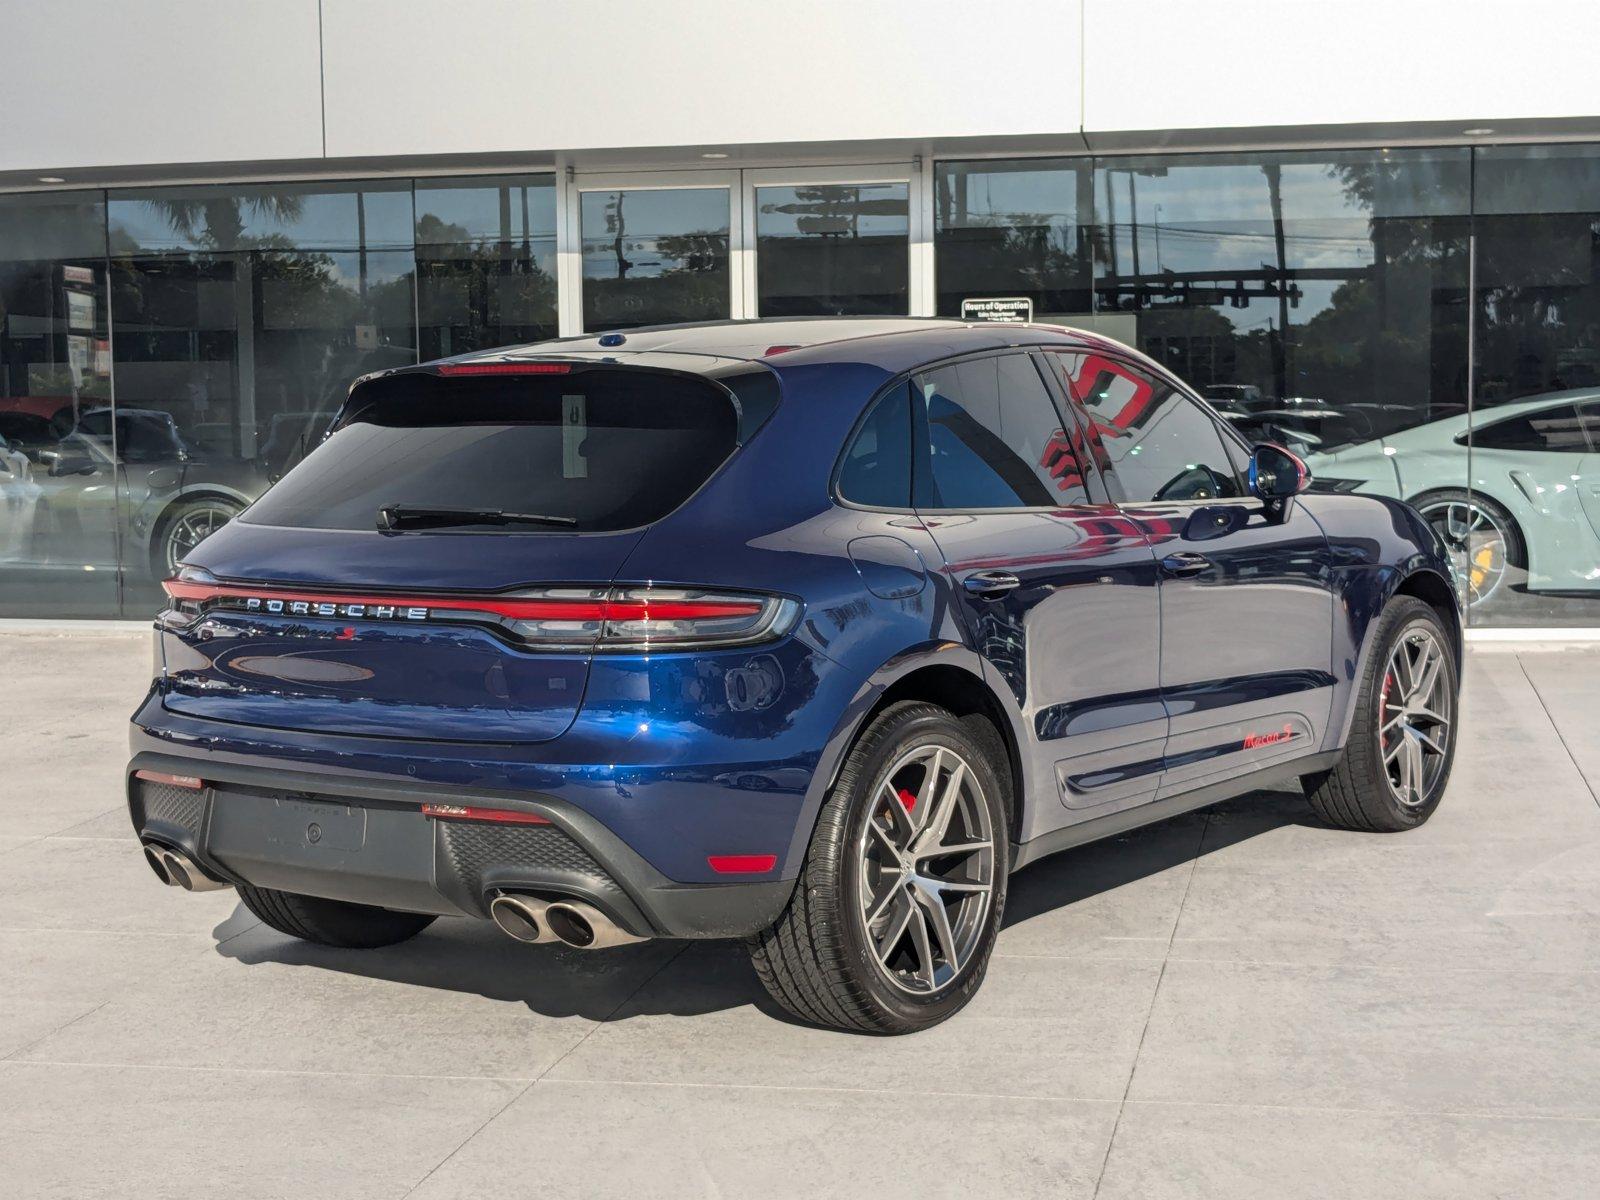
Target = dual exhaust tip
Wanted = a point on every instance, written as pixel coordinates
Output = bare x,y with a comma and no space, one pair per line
572,922
176,869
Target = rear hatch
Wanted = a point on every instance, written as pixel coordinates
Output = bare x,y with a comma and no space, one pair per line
440,567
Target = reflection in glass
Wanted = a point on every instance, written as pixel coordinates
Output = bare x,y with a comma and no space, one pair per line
58,488
1014,228
652,257
486,263
233,361
374,214
1526,535
833,250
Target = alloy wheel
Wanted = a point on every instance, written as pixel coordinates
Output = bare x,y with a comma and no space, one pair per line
927,864
1477,544
193,527
1414,717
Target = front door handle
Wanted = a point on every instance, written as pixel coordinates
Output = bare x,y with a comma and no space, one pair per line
990,584
1185,562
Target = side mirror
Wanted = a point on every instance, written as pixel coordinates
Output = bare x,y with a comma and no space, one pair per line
1276,475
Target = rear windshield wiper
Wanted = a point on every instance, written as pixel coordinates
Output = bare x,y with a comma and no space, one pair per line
395,517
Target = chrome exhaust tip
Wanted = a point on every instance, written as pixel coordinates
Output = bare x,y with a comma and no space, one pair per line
521,917
585,927
177,869
152,855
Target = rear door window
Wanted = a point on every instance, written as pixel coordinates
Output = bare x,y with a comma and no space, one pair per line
995,438
592,451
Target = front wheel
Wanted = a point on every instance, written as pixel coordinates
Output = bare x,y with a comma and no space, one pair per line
1397,760
896,911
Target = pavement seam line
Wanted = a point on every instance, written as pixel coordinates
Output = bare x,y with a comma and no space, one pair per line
1155,993
1560,737
12,1057
525,1089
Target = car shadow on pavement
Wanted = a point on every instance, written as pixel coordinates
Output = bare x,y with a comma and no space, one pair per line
681,978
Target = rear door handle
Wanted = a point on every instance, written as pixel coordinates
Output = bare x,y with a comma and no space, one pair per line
1185,562
990,584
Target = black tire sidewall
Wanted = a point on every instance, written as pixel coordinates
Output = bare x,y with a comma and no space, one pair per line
1402,616
921,725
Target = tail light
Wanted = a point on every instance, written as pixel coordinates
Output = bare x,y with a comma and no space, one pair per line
610,620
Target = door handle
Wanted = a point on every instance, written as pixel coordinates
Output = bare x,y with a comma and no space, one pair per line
990,584
1185,562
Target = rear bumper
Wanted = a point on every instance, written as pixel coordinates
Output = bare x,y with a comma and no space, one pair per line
366,840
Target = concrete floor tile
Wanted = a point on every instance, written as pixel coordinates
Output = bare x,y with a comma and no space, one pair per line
1177,1152
1113,899
1039,1027
137,1133
71,883
52,978
1463,1041
637,1142
456,1000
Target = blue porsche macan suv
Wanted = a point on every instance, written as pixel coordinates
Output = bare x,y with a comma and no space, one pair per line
808,633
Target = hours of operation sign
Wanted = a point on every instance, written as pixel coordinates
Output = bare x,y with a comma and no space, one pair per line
998,308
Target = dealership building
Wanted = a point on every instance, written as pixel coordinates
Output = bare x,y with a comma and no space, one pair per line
1368,230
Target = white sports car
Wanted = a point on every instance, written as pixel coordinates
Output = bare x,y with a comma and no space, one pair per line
1534,502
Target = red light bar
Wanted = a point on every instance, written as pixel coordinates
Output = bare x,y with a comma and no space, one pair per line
741,864
505,368
193,782
530,608
771,350
502,816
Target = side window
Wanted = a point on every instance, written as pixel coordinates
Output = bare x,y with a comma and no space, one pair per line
1565,429
877,468
995,439
1150,440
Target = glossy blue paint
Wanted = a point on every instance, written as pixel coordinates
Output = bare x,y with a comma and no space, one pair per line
1119,682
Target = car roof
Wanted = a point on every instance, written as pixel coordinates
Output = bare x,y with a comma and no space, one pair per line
889,342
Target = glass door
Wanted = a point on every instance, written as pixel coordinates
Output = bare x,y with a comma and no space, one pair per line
656,249
831,241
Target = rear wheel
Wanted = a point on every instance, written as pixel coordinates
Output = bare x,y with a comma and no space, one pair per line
1402,735
332,922
1483,539
895,914
184,526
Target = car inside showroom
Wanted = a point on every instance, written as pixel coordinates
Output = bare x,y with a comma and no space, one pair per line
685,598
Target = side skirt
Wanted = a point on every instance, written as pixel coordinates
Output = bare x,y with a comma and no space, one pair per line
1159,810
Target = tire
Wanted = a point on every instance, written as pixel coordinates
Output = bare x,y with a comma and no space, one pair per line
1458,516
174,532
332,922
1362,792
828,960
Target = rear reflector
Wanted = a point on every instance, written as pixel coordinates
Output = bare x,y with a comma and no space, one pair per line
742,864
505,368
502,816
193,782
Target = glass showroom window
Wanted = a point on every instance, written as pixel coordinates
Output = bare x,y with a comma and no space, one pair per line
1015,230
654,255
1527,536
241,315
831,249
58,485
486,263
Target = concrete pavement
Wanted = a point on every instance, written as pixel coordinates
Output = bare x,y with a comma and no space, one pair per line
1237,1003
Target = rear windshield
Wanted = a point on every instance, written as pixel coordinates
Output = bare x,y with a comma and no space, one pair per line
596,450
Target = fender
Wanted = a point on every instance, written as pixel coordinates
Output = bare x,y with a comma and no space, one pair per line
853,718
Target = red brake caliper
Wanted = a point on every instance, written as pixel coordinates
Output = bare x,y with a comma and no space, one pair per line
1383,707
907,799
